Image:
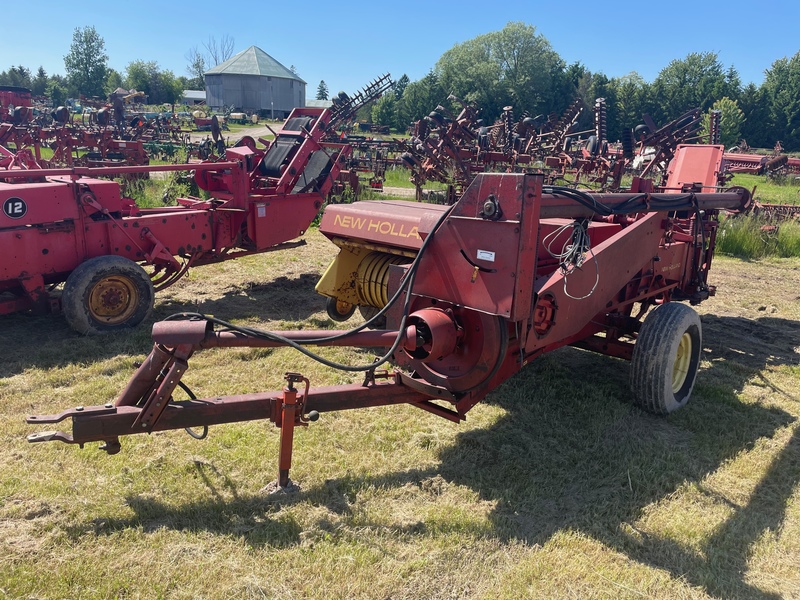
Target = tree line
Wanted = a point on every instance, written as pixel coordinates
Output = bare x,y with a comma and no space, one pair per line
88,73
515,66
518,67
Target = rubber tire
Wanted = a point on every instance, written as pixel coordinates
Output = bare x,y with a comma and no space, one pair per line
654,357
79,285
368,312
593,145
332,308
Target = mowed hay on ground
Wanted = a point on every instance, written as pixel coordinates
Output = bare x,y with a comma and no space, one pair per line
554,487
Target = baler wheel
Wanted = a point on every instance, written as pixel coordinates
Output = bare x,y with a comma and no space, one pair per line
107,293
666,357
368,312
339,310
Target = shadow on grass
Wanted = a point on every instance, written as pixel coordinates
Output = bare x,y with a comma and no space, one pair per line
47,342
571,454
282,299
599,469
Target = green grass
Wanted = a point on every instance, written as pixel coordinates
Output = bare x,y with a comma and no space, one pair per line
554,487
398,177
768,190
750,237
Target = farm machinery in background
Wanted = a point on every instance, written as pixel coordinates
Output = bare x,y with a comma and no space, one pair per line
68,226
775,166
470,293
100,142
106,136
369,156
453,149
16,105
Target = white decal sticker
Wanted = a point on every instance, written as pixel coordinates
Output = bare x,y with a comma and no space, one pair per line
486,255
15,208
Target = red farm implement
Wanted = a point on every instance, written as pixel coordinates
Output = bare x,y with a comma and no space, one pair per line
15,104
471,293
69,226
453,148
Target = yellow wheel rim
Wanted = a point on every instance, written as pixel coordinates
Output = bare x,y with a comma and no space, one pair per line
682,360
113,299
343,307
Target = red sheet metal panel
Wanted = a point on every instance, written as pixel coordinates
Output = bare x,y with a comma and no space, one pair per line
386,222
277,219
695,163
25,204
473,260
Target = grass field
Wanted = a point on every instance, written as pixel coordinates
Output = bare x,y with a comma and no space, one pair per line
554,487
785,191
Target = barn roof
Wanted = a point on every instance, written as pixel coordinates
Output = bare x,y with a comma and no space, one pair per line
253,61
194,94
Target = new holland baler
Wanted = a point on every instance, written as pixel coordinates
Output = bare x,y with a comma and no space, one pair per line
470,293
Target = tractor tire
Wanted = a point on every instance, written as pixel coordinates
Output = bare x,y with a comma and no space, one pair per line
339,311
666,357
106,294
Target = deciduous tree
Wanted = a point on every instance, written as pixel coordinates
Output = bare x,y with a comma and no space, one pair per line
160,86
696,81
731,120
513,66
86,62
57,90
195,67
468,71
529,68
384,111
218,51
113,81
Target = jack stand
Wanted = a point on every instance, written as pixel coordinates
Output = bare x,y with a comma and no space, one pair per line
291,412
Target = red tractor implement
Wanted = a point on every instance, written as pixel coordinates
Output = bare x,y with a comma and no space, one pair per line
471,294
69,226
15,104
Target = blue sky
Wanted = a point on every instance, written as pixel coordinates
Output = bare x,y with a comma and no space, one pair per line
350,43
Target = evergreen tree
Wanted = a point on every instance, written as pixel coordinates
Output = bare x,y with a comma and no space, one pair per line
400,86
782,89
18,76
39,83
755,105
322,90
